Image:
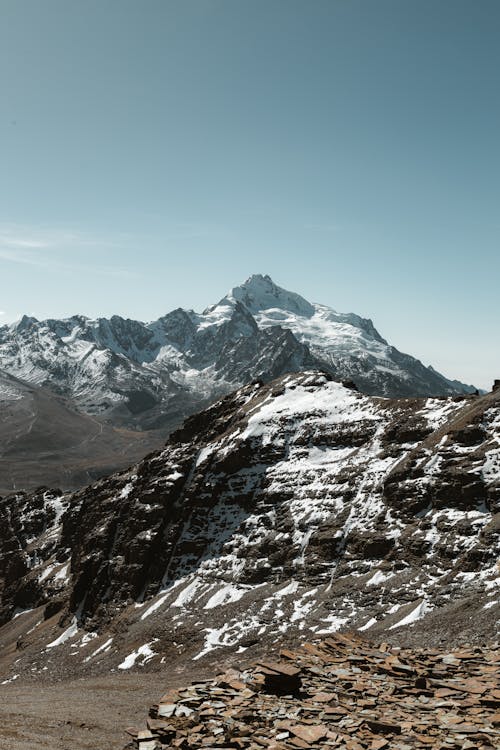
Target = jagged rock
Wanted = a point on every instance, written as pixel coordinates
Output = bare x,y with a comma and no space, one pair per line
277,679
290,508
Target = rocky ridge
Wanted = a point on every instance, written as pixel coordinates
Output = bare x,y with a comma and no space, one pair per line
286,510
338,693
150,376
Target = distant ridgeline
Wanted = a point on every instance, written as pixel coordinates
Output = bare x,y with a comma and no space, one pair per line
150,376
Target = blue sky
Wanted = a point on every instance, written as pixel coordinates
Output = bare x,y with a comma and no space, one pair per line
155,153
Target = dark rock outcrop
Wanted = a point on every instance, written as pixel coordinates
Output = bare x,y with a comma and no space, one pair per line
297,506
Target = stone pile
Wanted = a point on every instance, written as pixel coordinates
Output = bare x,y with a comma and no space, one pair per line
341,693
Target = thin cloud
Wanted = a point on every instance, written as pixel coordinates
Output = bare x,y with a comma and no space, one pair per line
41,248
22,243
14,256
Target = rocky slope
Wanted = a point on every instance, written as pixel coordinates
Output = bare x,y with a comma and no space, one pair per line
152,375
294,508
338,693
44,441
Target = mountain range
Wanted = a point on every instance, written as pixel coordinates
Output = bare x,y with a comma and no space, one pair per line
82,398
149,376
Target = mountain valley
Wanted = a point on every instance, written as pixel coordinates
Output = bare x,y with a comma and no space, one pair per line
44,440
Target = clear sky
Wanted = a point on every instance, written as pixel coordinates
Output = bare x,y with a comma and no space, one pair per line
154,153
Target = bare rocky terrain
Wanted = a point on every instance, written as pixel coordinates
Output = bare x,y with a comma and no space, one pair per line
45,441
84,714
338,693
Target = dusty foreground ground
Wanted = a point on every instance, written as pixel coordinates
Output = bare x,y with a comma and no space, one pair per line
78,715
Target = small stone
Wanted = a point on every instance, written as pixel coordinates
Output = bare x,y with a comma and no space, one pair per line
309,734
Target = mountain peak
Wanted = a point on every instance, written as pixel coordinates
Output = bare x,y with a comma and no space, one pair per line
27,321
259,278
259,292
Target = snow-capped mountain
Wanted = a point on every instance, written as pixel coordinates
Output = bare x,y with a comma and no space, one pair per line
347,345
154,374
283,511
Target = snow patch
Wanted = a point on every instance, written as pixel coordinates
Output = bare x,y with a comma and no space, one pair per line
416,614
226,595
144,652
66,636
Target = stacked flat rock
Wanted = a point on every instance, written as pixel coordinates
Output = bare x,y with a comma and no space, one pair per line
342,693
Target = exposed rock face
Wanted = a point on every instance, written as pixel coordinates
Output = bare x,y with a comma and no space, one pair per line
300,506
30,537
152,375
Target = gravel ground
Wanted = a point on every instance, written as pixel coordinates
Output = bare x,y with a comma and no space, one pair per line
91,713
84,714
